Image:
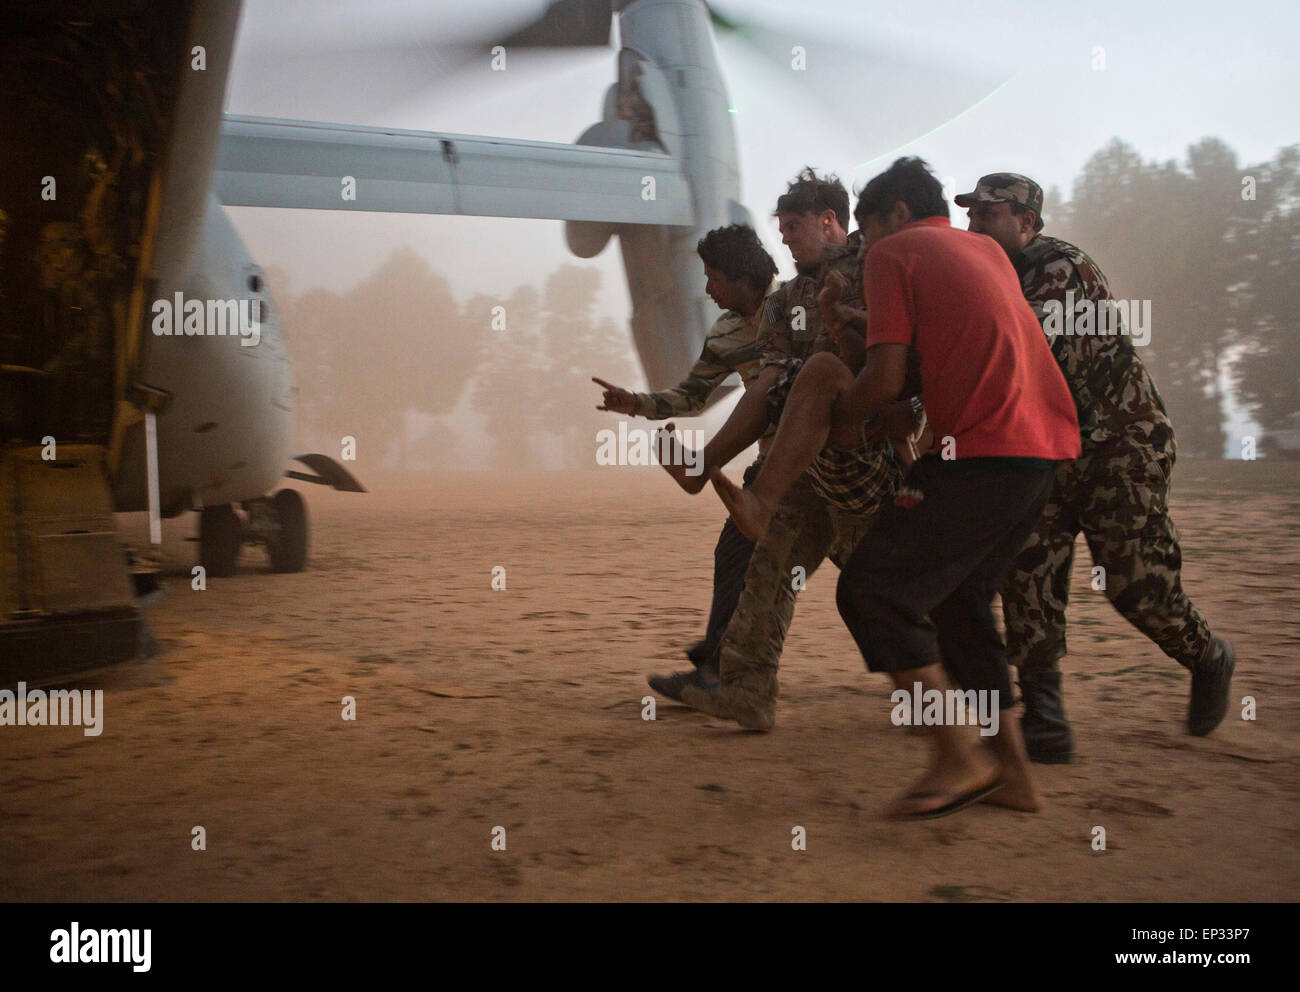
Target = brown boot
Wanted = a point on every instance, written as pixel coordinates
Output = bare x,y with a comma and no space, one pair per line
751,703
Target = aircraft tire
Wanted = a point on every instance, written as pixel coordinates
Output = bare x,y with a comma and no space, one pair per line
288,550
219,540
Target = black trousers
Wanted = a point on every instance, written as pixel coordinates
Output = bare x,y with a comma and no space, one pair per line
919,587
730,562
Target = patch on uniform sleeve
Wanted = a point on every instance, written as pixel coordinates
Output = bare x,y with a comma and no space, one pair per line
772,310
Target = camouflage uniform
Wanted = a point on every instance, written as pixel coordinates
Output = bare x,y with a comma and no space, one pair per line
789,336
806,528
729,347
1116,493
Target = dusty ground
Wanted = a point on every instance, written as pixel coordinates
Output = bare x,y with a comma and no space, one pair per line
522,709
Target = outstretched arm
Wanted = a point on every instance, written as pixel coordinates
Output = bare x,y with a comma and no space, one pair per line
616,399
724,352
747,423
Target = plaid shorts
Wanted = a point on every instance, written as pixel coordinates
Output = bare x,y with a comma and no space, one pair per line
856,480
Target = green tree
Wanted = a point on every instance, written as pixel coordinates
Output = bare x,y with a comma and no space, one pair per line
362,359
577,347
1142,223
513,385
1267,375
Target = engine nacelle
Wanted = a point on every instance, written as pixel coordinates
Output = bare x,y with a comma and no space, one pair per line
588,238
644,110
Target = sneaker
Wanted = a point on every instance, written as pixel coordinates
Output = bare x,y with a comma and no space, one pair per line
671,686
1211,682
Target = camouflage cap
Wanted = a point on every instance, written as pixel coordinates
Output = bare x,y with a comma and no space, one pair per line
1005,187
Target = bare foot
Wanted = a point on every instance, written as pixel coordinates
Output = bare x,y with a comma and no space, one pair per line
750,513
1018,792
680,462
945,788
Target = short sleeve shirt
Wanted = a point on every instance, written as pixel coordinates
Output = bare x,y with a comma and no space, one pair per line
988,378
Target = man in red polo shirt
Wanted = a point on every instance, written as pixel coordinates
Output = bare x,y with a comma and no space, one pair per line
919,587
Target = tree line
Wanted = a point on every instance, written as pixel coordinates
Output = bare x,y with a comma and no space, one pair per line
1216,247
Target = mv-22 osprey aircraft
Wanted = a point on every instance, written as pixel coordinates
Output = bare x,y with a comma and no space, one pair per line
118,159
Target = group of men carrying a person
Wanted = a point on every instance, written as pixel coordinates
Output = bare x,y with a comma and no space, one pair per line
939,451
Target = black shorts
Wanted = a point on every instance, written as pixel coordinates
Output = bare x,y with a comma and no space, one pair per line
938,553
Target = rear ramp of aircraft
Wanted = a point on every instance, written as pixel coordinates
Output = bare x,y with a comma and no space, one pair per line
66,595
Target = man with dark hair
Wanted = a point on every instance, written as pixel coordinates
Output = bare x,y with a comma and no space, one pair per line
1117,492
807,527
919,587
811,194
908,181
738,274
737,253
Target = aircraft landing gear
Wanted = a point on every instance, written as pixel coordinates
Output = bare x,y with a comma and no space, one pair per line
280,523
220,534
288,545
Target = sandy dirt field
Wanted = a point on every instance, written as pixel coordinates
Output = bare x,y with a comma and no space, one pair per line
522,709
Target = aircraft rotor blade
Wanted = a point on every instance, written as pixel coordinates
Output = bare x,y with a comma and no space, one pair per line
566,24
883,93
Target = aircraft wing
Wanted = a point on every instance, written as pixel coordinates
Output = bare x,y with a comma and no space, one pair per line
264,162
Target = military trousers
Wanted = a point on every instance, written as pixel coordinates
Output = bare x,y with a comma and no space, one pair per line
805,531
730,562
1117,495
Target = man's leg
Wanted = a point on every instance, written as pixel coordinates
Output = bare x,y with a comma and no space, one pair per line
1035,592
747,423
750,654
730,561
804,430
1132,537
974,653
961,771
850,530
955,540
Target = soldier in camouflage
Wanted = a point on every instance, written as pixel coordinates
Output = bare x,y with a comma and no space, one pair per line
1116,493
738,274
806,527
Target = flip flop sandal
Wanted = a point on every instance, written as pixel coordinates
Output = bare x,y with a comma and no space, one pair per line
961,802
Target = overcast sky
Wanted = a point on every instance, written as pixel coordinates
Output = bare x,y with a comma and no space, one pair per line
973,87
